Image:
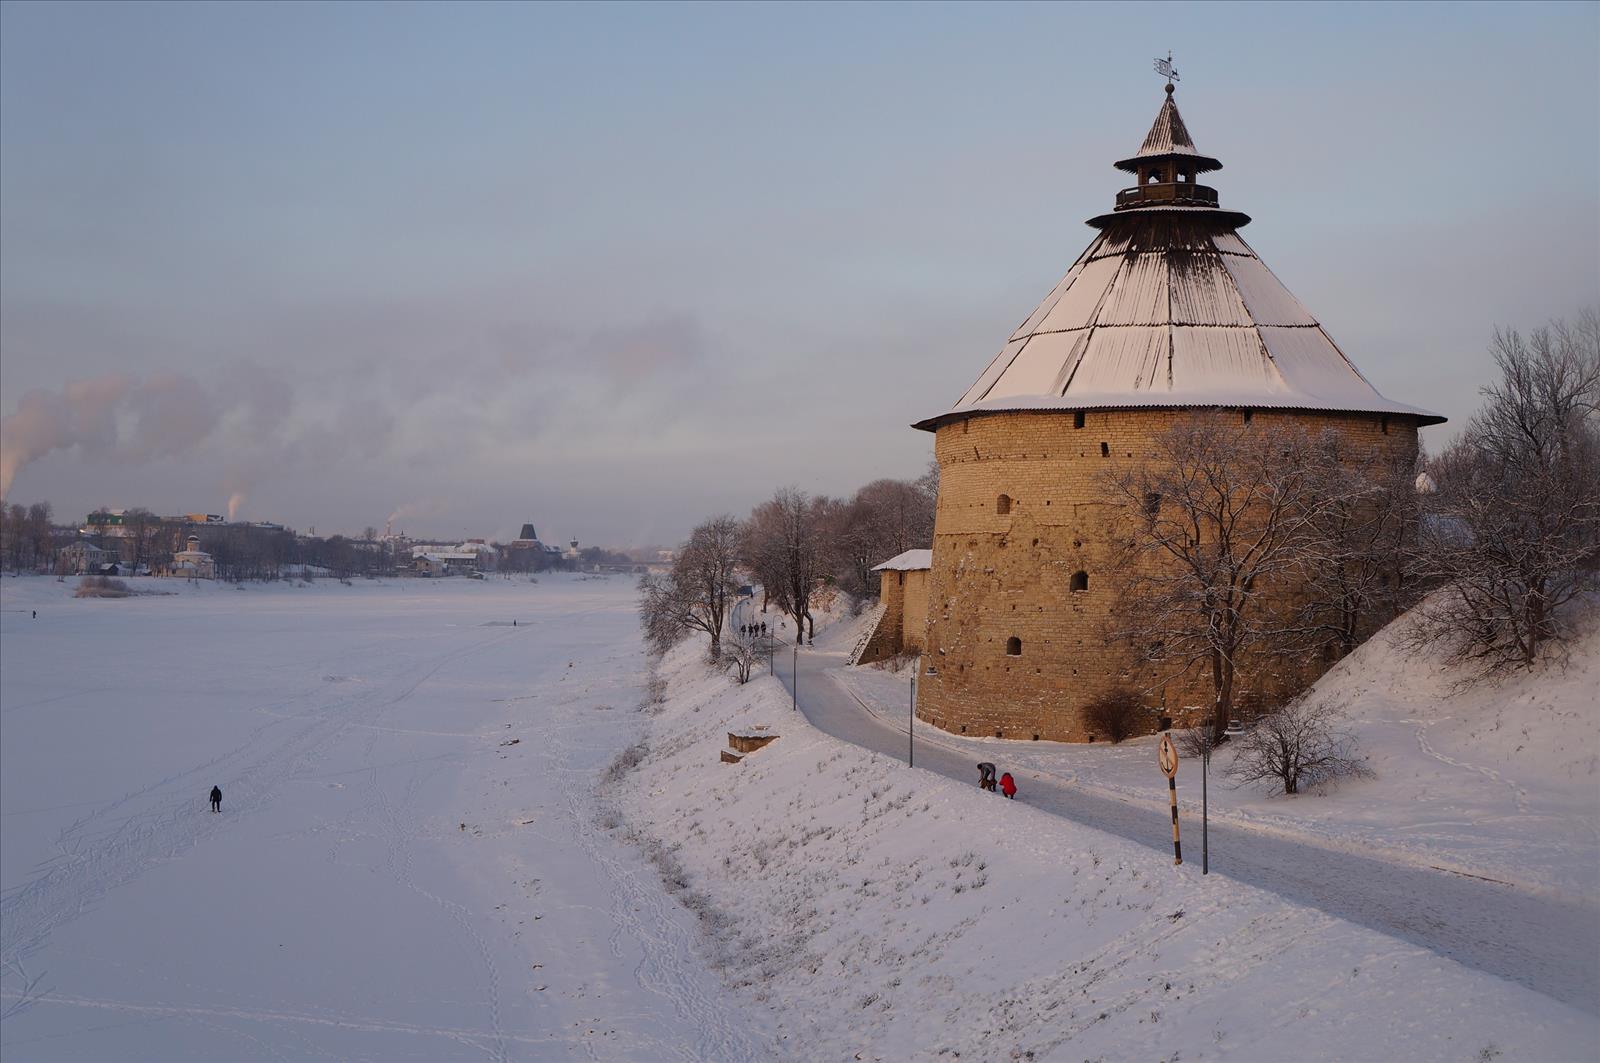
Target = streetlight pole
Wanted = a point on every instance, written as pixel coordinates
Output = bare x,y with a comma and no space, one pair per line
1205,830
911,721
794,677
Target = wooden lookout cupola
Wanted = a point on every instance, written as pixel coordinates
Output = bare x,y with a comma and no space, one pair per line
1167,165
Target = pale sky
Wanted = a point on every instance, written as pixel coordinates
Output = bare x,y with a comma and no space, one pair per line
613,269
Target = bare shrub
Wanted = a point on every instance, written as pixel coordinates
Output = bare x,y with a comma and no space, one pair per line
1198,742
1302,744
655,694
101,587
1116,714
739,656
624,762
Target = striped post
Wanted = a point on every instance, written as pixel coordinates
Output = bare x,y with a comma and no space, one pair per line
1177,849
1167,757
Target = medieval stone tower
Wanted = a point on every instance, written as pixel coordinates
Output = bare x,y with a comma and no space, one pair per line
1166,314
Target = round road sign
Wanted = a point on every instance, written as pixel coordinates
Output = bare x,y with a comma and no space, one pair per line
1168,755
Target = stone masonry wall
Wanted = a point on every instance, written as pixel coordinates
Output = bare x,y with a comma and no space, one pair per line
904,622
914,627
886,638
1001,576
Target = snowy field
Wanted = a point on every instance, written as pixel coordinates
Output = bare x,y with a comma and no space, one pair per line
407,863
422,854
1499,780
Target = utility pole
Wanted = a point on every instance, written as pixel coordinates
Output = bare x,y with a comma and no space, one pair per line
911,719
794,677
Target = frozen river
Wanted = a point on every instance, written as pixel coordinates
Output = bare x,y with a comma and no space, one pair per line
408,863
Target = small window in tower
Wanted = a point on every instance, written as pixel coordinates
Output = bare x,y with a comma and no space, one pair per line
1080,581
900,578
1152,505
1248,414
1105,450
1013,647
1384,424
1077,419
1002,505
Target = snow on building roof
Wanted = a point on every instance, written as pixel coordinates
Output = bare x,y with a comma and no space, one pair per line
1168,136
1169,307
910,561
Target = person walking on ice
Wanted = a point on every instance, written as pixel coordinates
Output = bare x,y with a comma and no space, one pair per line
216,799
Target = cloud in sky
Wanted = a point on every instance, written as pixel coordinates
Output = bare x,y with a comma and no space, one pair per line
611,274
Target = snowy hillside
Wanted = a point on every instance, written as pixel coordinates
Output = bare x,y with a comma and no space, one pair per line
887,913
1500,780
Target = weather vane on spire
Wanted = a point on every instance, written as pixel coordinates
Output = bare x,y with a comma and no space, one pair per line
1165,68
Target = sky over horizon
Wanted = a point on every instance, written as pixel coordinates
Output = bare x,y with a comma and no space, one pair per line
614,269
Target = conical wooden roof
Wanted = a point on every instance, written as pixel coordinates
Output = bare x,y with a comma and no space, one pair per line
1169,307
1168,138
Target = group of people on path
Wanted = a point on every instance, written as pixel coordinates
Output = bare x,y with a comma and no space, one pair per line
986,780
754,630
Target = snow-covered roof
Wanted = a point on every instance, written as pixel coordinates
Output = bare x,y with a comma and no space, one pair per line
910,561
1169,307
1168,136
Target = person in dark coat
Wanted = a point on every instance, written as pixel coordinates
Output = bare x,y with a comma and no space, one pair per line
216,799
985,776
1008,786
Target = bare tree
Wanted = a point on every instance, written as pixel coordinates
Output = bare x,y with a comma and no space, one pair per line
740,656
1362,517
1227,511
785,546
699,591
884,518
1513,531
1302,744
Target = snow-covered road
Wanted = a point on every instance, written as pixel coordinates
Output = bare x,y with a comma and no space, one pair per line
407,864
1548,945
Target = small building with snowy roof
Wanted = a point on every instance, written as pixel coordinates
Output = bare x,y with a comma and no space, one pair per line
901,618
1167,317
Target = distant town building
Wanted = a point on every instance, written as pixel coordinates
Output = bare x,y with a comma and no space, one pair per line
82,557
192,562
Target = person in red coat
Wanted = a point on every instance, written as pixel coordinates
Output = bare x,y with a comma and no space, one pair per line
1008,786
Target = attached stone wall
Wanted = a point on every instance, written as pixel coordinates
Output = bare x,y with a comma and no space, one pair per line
914,626
1003,569
904,595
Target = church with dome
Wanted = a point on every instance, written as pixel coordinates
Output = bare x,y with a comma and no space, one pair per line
1167,315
